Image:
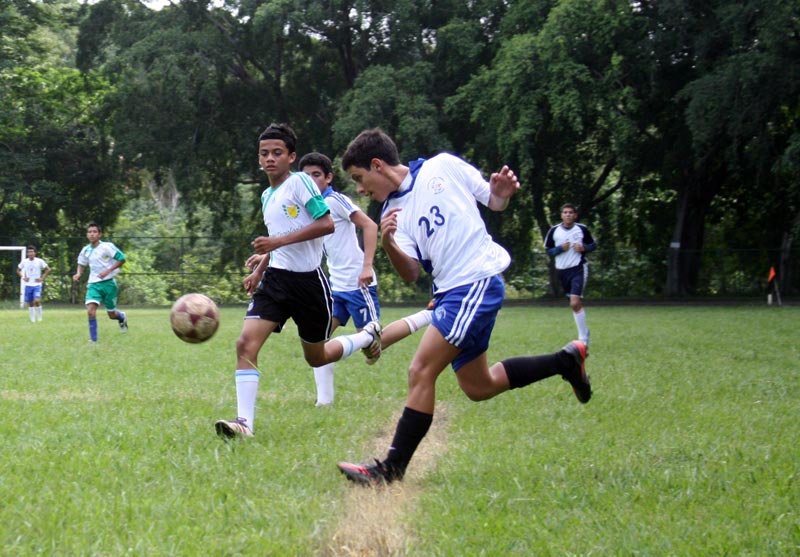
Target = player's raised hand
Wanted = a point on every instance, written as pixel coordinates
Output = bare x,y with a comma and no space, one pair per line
503,184
389,225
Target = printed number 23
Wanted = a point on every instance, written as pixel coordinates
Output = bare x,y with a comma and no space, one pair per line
437,219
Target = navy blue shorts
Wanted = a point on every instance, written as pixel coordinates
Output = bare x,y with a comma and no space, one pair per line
465,316
574,279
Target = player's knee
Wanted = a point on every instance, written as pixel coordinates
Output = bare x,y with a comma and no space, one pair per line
476,394
315,360
244,347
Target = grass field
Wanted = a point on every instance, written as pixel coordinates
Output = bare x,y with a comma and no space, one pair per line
690,446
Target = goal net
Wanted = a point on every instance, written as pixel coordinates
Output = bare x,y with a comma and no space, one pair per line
23,253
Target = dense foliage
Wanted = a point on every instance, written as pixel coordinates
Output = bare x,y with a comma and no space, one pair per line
673,124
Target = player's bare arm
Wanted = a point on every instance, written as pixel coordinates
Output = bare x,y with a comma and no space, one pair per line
114,267
502,185
320,227
250,282
370,234
407,267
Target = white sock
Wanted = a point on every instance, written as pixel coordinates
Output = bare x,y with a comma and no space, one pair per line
418,320
39,312
246,391
580,321
351,343
323,375
32,313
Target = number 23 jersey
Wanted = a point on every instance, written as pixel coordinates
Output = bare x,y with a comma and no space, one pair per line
440,225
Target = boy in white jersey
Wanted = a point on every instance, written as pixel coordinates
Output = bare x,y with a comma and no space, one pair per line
568,243
430,219
33,271
104,260
352,277
288,282
351,274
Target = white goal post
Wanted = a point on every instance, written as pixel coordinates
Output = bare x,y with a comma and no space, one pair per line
23,253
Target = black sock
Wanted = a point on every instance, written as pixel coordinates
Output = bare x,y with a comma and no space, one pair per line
524,370
411,428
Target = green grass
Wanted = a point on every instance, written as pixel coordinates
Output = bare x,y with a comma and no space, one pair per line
689,447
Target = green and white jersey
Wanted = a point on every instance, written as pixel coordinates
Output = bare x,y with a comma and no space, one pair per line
99,258
292,205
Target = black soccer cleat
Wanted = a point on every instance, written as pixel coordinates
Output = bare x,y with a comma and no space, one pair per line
576,375
368,474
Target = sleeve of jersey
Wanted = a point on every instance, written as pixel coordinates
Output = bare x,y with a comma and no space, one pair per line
588,240
82,259
119,256
341,206
471,177
317,207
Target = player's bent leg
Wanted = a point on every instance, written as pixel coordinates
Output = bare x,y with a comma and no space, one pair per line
481,382
317,354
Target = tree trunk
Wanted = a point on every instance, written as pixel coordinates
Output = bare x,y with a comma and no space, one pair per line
685,250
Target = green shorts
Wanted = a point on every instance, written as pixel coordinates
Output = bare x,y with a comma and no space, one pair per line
104,293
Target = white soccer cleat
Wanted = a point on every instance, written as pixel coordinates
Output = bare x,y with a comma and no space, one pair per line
373,351
231,429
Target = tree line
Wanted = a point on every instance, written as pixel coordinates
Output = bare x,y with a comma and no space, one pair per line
672,124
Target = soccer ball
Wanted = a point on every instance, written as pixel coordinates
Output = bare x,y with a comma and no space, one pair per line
194,318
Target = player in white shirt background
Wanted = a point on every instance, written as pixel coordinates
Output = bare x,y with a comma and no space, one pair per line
430,220
352,276
354,285
32,271
568,243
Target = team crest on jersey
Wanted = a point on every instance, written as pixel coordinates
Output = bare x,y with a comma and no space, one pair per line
436,185
291,211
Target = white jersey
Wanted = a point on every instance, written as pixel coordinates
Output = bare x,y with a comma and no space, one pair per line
575,234
99,258
440,225
345,257
32,269
292,205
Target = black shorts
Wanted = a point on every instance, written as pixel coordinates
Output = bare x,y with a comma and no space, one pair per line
305,297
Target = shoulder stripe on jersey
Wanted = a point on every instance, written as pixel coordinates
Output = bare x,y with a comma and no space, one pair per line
308,183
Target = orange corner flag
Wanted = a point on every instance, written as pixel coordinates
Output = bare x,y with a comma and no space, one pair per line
771,274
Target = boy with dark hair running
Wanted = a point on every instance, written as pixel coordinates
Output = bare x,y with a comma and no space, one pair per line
288,282
104,260
430,219
354,285
568,243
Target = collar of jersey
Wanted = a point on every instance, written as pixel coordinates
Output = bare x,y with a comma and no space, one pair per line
328,191
413,168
